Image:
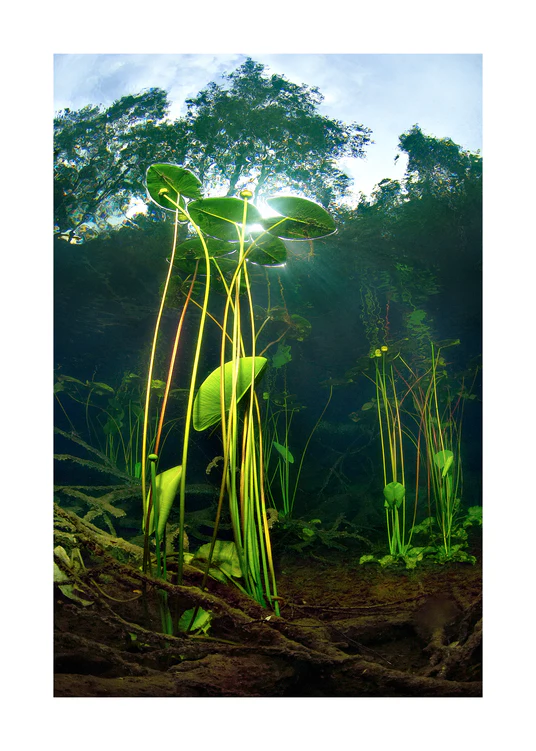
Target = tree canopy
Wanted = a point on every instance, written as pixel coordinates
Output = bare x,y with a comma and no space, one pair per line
256,128
268,131
100,157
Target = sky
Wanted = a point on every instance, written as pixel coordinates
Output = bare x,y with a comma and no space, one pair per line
388,93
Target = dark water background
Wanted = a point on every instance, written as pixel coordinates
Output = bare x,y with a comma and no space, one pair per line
106,300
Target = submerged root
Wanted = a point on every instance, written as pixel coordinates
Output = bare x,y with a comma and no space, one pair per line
115,646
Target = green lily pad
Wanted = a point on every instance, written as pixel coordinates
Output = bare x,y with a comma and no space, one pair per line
304,219
267,250
193,248
167,183
222,217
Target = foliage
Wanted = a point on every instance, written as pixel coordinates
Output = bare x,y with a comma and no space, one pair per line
267,130
113,416
278,486
255,128
216,400
100,157
433,549
301,534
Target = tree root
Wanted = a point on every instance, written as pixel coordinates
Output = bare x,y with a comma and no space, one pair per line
250,652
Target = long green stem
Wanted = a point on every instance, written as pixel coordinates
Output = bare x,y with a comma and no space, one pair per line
145,503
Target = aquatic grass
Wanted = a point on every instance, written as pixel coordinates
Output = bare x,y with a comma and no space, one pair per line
439,422
284,457
392,450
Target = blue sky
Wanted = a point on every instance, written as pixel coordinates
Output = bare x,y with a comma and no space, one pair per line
385,92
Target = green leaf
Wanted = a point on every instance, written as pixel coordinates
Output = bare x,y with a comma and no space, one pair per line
300,327
207,404
443,460
394,493
474,516
225,556
100,388
201,622
285,453
167,182
305,219
70,379
387,560
193,248
424,526
281,356
444,343
267,250
220,217
167,484
60,576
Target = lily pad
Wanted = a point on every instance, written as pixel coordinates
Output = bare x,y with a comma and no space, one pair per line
304,219
193,248
222,217
267,250
166,183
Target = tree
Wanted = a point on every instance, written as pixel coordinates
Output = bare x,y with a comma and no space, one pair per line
437,166
267,130
100,157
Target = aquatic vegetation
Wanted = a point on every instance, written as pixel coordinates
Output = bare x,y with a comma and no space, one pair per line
282,458
434,428
113,417
227,396
392,447
440,429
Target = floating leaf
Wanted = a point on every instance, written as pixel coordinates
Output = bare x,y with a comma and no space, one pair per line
267,251
207,404
193,248
220,217
305,219
166,183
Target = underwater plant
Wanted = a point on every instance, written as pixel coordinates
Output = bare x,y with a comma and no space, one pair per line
114,416
432,422
234,228
392,447
439,422
278,452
